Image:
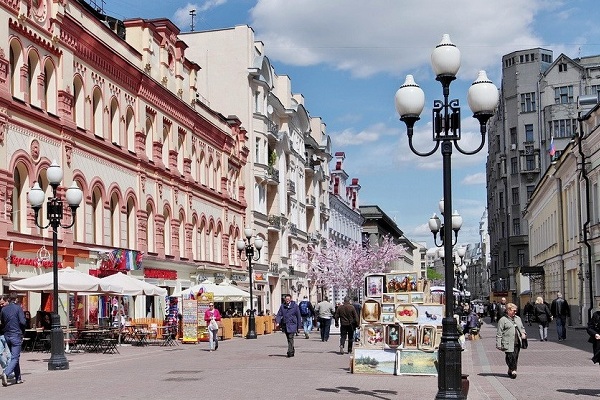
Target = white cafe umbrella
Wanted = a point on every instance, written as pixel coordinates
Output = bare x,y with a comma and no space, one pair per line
133,286
221,293
69,280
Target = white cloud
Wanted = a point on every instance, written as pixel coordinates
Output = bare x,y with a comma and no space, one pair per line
366,38
478,178
350,138
181,16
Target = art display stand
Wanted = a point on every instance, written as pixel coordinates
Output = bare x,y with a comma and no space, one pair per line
194,326
401,326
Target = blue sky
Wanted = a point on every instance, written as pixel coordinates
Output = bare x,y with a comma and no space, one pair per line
348,58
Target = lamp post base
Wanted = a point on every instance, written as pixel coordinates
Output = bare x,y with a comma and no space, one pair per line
251,327
58,360
450,360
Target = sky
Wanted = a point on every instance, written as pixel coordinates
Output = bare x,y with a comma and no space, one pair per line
348,58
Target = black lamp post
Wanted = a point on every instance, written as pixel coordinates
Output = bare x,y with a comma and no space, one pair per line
410,100
246,251
54,210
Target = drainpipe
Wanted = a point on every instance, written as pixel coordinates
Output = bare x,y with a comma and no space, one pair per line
561,236
586,224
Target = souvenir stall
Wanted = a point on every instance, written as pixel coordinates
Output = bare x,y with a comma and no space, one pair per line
401,326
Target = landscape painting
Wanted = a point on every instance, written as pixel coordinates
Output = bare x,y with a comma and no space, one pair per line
416,362
381,362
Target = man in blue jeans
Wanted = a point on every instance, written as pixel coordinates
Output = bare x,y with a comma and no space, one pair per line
12,319
560,311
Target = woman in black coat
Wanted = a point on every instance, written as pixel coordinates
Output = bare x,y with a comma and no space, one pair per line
543,316
593,329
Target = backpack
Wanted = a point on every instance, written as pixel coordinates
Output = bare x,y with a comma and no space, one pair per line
304,310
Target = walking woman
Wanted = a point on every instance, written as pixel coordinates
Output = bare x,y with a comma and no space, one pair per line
543,316
509,337
593,329
212,316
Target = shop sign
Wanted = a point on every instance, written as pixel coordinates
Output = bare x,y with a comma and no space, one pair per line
219,275
32,262
238,277
160,273
260,277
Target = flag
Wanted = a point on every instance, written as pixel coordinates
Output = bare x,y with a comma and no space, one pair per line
552,149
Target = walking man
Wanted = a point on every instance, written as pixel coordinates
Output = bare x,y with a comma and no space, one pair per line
560,311
347,317
12,319
289,319
307,311
4,352
324,313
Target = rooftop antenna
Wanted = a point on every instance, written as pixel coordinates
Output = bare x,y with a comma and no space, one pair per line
193,14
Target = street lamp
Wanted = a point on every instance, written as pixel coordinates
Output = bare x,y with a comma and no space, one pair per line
54,211
246,251
410,100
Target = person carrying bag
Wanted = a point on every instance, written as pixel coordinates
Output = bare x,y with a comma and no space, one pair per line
212,316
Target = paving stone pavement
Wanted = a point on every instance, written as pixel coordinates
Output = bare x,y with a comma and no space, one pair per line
259,369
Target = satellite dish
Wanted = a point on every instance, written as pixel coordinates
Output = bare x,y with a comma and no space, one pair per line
269,109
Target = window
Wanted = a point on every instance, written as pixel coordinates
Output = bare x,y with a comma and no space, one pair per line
513,135
529,163
528,102
562,67
594,90
516,227
514,165
521,257
563,94
530,189
529,133
515,196
500,200
563,128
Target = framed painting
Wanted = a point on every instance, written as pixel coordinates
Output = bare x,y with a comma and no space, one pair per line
388,298
371,311
430,314
402,298
374,285
388,308
427,337
407,313
415,362
416,297
387,318
393,336
401,282
438,337
373,336
411,336
371,361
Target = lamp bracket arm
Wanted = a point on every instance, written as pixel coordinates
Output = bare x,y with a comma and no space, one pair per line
420,154
470,153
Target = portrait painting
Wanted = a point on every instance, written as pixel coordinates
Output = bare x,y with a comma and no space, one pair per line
411,336
371,311
374,285
427,337
393,336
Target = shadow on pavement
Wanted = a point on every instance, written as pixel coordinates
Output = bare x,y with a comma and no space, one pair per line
375,394
494,374
580,392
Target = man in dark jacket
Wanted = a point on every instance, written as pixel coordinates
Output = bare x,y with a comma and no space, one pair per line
12,319
358,308
346,316
289,319
560,311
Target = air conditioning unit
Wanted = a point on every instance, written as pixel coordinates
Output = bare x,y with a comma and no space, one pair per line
513,146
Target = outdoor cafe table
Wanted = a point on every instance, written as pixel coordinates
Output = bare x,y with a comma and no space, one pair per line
140,338
92,340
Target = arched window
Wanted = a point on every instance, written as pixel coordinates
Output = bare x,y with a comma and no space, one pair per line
130,130
34,71
208,248
78,227
16,63
194,169
115,221
202,168
78,102
114,121
218,177
50,91
149,138
19,198
150,232
180,152
97,111
165,145
209,173
131,224
167,231
218,252
97,217
202,241
182,236
195,244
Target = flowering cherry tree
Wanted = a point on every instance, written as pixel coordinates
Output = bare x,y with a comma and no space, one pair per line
346,267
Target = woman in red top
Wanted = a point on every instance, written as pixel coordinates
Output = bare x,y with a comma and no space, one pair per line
211,316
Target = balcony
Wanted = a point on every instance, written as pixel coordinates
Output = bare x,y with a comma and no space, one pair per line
293,229
274,269
291,187
272,175
272,128
274,222
313,237
311,201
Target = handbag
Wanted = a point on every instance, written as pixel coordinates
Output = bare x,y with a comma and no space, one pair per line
213,326
524,343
